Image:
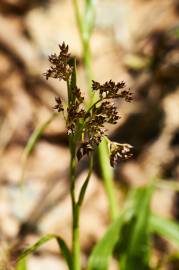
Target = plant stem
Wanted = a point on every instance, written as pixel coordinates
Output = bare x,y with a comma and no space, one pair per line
107,174
75,209
85,41
76,205
88,67
76,239
106,170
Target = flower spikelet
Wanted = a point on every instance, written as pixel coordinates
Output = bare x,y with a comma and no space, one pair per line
86,127
58,106
60,68
119,152
111,89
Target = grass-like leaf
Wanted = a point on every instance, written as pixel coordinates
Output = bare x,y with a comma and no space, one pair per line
102,252
64,249
89,17
166,228
128,235
21,265
32,142
134,243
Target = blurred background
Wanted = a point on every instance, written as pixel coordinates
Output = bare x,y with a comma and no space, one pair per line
136,41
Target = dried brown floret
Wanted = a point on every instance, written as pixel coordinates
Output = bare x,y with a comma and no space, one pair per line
74,114
111,89
60,68
78,96
99,115
84,149
88,126
58,106
119,152
127,95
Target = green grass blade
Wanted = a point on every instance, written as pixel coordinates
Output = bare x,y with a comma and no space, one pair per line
107,175
117,235
21,265
65,252
85,184
64,249
166,228
99,259
89,17
133,247
32,142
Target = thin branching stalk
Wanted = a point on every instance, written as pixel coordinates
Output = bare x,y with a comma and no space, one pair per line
76,207
106,170
85,130
85,34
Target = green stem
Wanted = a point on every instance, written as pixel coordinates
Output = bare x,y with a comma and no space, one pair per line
75,209
106,170
76,205
76,239
88,67
107,174
85,41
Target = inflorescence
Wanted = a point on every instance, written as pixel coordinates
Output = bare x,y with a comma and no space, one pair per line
87,126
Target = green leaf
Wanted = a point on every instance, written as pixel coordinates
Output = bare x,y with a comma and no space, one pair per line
64,249
99,259
107,175
85,184
21,265
166,228
89,18
32,142
133,247
129,233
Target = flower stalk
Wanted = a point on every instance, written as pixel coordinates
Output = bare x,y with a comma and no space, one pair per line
85,129
85,26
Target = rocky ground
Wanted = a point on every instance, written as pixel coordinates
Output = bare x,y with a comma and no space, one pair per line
134,40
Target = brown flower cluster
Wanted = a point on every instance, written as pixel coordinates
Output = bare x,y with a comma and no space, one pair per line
119,152
100,114
60,68
111,89
58,106
75,110
88,126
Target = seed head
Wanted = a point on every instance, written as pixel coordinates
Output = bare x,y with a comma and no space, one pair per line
119,152
111,89
88,126
60,68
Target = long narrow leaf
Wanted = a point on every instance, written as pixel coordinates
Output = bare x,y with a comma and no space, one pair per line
65,251
102,252
85,184
21,265
32,142
89,17
165,227
133,246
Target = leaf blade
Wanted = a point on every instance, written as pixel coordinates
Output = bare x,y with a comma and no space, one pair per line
65,251
133,247
99,258
32,142
165,227
21,265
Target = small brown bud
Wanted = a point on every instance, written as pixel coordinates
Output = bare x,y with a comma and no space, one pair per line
119,152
